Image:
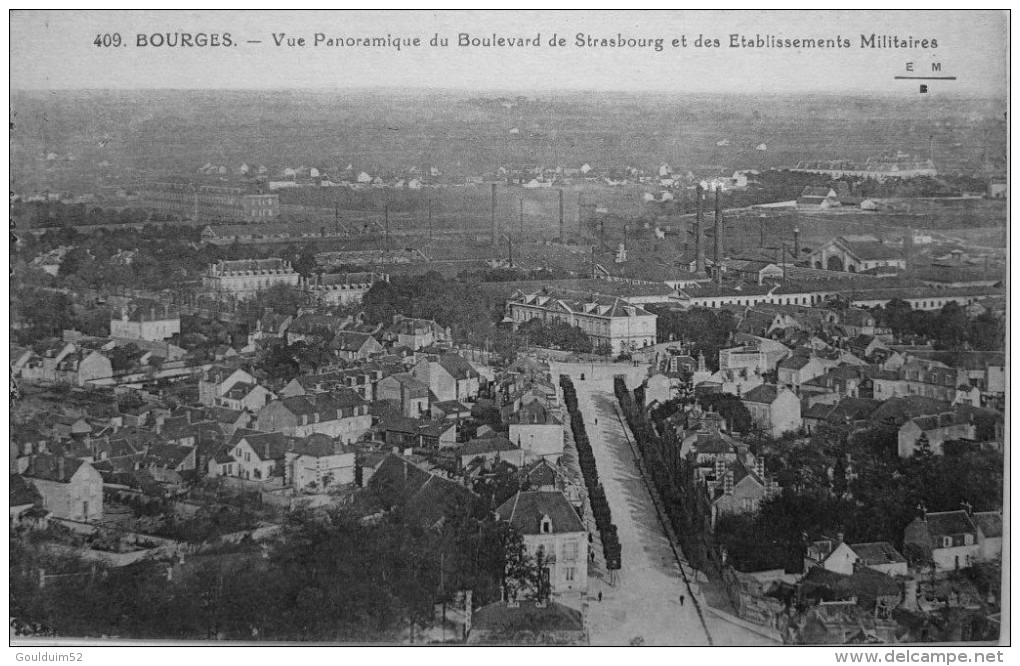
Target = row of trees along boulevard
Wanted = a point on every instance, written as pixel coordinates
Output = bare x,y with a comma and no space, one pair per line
672,476
596,493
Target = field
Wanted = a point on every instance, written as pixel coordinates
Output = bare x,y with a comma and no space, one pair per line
118,138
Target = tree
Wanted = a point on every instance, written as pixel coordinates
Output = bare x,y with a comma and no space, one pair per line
305,263
987,332
731,408
838,303
519,569
556,334
498,486
922,449
46,312
951,325
840,484
895,315
279,364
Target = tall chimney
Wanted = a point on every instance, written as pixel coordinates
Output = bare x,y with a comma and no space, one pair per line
562,239
699,247
796,244
494,214
522,217
717,253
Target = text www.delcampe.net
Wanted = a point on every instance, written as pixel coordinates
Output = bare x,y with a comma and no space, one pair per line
920,657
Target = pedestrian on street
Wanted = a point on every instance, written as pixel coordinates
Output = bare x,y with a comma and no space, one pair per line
681,600
600,596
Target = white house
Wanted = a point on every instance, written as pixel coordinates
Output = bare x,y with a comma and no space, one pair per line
551,527
538,431
948,538
256,456
775,409
343,414
70,488
317,463
449,377
155,322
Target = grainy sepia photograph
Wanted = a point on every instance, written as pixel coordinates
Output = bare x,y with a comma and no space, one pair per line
537,328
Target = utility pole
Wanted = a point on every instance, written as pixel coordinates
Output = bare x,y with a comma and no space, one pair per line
386,218
430,219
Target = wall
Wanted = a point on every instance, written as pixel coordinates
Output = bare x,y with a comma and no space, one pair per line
304,470
437,378
571,551
946,558
348,430
68,500
538,439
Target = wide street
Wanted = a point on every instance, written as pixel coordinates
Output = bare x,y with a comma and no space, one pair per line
643,604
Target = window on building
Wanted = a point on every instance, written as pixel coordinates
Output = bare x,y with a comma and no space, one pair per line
947,542
569,574
546,525
968,539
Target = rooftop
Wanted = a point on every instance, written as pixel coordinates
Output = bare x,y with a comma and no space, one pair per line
526,510
877,552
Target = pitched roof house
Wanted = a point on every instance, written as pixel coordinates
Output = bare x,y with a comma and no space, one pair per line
70,488
343,414
551,528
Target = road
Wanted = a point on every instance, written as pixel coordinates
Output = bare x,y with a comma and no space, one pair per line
643,605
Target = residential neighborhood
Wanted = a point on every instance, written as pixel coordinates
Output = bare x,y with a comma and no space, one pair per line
465,367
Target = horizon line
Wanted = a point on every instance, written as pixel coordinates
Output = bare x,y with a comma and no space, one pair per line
405,89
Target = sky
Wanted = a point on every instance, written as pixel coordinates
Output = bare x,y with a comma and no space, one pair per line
56,50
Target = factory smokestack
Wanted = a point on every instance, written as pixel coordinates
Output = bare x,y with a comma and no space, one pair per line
718,250
562,239
494,214
699,218
796,244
